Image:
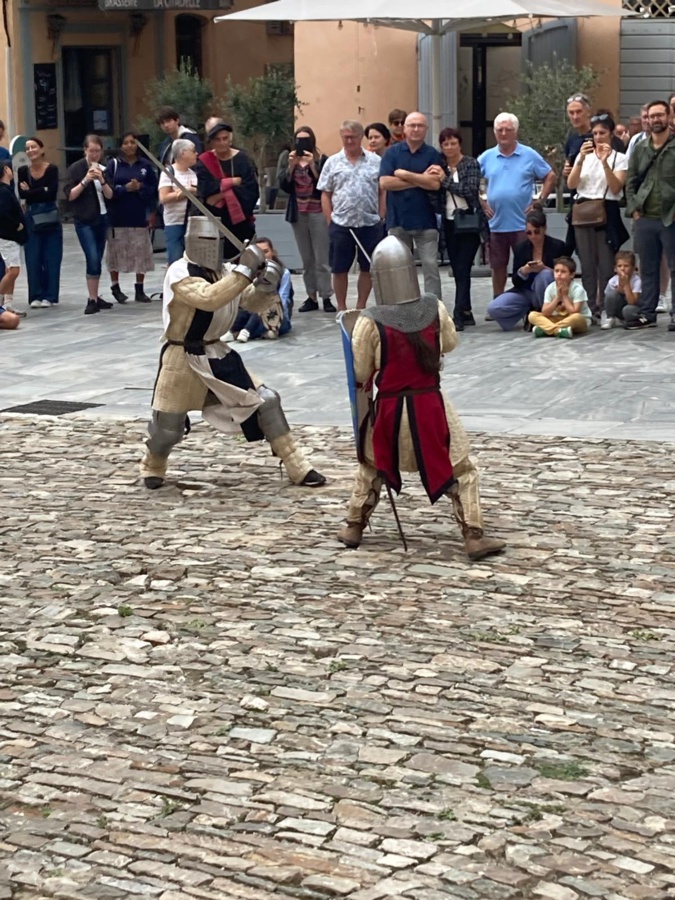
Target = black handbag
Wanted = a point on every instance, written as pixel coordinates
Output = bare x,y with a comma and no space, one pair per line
44,216
467,221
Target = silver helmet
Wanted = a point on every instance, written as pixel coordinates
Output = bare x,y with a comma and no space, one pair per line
393,272
204,243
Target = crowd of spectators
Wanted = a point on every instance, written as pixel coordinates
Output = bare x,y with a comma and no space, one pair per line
339,207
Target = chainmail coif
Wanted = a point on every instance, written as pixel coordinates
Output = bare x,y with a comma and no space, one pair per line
406,317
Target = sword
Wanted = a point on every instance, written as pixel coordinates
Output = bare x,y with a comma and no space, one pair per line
390,495
223,229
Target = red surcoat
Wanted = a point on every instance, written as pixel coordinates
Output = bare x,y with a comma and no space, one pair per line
400,381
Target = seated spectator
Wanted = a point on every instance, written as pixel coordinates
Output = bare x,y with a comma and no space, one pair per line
275,321
396,119
622,294
9,320
169,121
174,201
565,311
13,234
378,137
533,261
599,173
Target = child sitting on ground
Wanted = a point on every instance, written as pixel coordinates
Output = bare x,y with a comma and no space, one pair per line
565,311
622,294
275,321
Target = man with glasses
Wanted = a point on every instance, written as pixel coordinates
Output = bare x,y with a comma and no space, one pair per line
511,170
650,196
353,206
397,119
411,215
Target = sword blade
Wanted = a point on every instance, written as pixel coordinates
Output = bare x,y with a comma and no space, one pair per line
223,229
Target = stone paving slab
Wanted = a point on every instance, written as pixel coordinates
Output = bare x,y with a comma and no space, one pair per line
606,383
202,695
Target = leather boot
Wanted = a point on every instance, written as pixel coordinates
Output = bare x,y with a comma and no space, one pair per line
476,545
350,534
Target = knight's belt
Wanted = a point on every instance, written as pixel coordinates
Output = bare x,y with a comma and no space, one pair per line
385,395
192,343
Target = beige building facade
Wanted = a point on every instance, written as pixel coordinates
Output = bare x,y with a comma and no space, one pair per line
348,70
71,67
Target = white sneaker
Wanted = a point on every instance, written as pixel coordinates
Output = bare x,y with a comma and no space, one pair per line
228,337
243,336
662,304
35,304
606,321
47,304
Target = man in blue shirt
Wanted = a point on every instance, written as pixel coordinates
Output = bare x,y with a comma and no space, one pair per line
411,215
511,169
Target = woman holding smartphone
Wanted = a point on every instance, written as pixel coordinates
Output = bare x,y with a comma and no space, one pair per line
298,175
599,173
88,190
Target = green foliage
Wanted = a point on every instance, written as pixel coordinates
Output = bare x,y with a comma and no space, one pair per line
263,115
191,96
541,107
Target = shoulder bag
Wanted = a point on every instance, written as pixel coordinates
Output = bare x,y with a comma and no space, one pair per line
467,221
588,213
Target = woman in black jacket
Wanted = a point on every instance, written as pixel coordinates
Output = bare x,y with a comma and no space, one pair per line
38,187
460,181
228,186
533,261
298,174
87,190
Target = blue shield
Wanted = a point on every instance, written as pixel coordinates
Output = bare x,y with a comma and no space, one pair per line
347,322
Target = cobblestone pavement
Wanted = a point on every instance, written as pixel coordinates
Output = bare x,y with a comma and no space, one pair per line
203,696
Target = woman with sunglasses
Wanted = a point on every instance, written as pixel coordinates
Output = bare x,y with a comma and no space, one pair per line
599,173
533,261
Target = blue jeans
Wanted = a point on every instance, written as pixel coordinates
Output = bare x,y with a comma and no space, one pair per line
44,253
511,307
175,242
92,240
255,325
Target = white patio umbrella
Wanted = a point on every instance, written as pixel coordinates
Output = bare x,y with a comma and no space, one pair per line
432,17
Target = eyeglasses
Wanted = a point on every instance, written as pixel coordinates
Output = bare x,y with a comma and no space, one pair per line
605,117
397,122
579,98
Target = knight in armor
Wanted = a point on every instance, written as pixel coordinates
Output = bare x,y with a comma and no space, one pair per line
197,370
409,426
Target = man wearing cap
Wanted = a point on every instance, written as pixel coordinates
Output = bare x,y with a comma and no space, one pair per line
197,370
227,185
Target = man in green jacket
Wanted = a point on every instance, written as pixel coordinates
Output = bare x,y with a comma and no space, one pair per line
650,195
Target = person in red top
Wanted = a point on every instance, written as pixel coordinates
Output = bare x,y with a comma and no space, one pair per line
410,426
